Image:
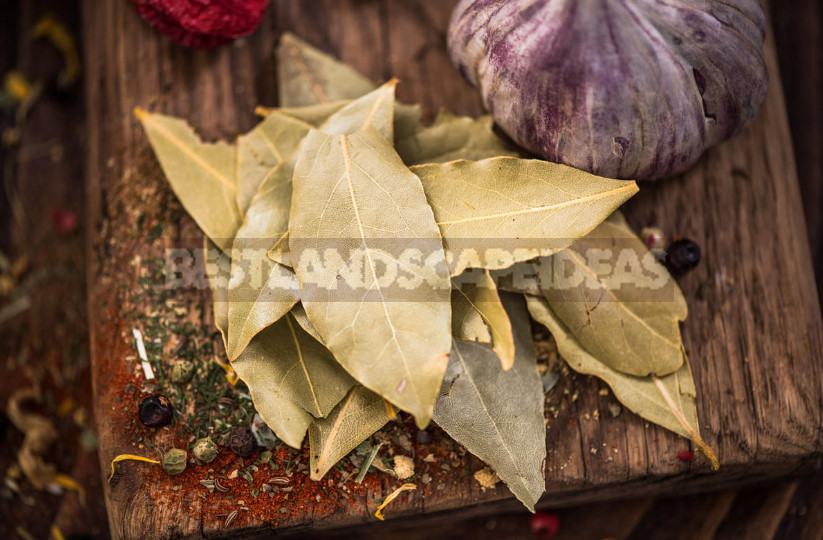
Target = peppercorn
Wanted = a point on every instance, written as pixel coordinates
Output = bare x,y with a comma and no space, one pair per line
424,436
182,372
204,450
682,256
685,456
544,524
174,461
241,441
156,411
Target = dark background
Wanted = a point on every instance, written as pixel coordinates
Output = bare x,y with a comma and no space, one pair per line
41,167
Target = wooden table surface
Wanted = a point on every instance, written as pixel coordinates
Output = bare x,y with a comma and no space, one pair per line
754,333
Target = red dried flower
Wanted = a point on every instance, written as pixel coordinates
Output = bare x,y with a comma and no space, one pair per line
685,456
203,24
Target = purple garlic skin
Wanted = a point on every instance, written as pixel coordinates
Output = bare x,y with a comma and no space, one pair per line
620,88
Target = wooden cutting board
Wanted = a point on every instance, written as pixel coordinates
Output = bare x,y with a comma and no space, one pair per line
753,335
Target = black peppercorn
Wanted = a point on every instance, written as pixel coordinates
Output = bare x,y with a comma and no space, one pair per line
241,442
682,256
424,436
156,411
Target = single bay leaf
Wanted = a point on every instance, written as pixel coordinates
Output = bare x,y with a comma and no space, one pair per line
307,76
452,137
375,109
406,120
358,213
668,401
273,141
497,212
261,291
203,176
285,418
353,420
619,302
498,415
479,315
295,366
218,272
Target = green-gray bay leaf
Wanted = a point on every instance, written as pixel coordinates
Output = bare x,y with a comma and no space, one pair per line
498,415
619,302
203,176
450,138
667,401
308,76
296,366
478,314
353,420
356,205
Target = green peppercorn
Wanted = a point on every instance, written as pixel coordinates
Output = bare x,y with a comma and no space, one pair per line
182,372
204,450
174,461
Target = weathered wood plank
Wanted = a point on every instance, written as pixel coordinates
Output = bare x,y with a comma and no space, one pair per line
754,333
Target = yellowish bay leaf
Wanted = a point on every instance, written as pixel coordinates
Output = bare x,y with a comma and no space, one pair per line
497,212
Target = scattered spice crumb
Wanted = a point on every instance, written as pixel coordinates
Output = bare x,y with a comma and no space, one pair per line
403,467
487,478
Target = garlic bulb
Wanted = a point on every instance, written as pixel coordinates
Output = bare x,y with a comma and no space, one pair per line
621,88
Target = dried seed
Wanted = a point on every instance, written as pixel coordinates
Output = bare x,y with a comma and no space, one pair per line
231,518
220,487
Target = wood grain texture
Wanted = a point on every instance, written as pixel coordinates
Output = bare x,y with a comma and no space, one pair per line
753,335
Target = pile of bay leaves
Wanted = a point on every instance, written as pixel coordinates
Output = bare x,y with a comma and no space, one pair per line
362,262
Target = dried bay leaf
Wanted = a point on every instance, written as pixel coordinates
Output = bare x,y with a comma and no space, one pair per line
406,120
273,141
620,303
285,418
406,117
374,109
479,315
203,176
314,115
357,206
353,420
668,401
295,366
299,313
498,415
497,212
308,76
452,137
218,272
261,291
